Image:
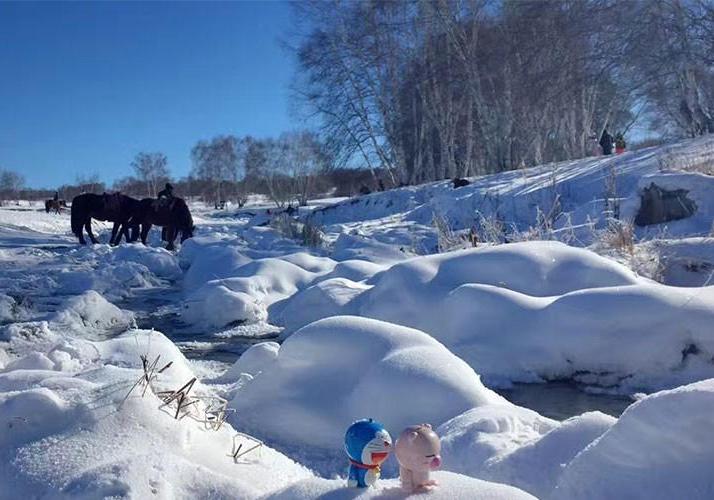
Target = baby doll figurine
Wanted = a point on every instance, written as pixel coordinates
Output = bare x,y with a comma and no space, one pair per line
417,450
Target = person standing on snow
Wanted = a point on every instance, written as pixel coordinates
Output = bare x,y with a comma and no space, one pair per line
606,142
620,143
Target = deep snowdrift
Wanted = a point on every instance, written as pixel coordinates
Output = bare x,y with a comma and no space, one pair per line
336,370
536,310
72,435
662,447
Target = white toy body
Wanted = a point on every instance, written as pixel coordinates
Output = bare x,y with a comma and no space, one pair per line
417,451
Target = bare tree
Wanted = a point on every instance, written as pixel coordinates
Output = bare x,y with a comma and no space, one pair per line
669,52
217,161
10,183
151,168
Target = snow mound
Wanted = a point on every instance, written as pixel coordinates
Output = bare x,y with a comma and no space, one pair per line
472,439
355,247
327,298
159,261
215,305
251,289
92,311
125,351
451,487
393,373
81,435
542,310
536,466
253,360
661,447
210,262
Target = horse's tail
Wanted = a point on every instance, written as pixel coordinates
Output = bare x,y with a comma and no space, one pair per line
77,215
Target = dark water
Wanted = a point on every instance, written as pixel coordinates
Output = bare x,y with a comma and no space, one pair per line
159,308
561,400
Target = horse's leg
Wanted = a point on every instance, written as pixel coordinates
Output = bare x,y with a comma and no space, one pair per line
145,228
170,237
115,228
125,232
80,235
135,233
88,227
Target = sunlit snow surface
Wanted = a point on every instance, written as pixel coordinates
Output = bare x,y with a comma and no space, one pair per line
300,342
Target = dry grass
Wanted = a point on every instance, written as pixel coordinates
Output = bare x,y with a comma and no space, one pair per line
619,235
307,233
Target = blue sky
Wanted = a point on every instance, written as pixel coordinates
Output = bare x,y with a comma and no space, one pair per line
86,86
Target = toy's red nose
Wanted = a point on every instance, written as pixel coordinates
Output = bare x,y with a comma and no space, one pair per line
435,462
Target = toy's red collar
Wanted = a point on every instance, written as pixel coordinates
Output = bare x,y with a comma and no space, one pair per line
360,465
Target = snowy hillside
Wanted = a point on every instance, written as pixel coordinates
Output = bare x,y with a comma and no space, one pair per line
575,193
278,347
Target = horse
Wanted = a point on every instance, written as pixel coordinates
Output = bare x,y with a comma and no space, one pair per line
117,208
172,214
56,205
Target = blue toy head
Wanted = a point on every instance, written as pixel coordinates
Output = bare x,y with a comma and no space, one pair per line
367,442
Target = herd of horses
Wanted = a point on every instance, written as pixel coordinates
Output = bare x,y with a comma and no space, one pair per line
132,218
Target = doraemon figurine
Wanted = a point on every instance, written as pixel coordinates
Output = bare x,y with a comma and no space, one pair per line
367,444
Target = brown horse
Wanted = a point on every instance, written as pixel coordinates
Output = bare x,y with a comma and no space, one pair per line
171,214
116,208
56,205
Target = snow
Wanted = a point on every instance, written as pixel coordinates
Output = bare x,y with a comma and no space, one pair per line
661,447
403,217
451,487
517,446
310,385
369,325
555,314
73,433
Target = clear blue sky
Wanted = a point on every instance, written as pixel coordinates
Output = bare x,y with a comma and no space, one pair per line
85,86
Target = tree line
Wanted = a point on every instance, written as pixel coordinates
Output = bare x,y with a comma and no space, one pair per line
411,91
288,169
434,89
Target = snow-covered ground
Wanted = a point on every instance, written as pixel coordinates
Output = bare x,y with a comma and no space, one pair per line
290,344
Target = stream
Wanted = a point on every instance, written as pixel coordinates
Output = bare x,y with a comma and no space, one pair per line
158,308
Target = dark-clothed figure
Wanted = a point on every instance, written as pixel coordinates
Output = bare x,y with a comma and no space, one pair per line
606,142
167,192
56,196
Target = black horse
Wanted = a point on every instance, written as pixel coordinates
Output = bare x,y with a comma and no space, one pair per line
117,208
172,214
56,205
